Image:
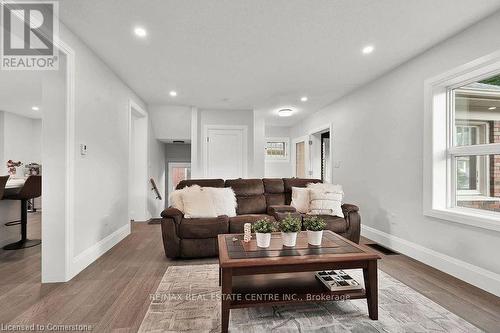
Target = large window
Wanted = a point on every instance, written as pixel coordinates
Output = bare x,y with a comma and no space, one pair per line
461,180
475,113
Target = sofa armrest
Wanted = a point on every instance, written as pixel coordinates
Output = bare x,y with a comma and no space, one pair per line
271,210
353,219
348,208
172,213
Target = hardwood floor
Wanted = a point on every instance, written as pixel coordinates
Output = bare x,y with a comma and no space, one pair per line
113,293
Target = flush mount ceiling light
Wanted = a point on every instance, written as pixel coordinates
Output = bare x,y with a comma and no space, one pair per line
173,93
140,32
35,108
492,108
368,49
304,99
285,112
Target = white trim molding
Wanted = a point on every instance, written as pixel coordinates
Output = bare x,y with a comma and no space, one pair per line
438,175
477,276
81,261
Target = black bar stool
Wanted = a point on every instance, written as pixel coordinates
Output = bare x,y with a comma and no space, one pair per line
32,188
3,182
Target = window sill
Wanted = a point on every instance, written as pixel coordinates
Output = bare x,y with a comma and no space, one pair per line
476,198
467,216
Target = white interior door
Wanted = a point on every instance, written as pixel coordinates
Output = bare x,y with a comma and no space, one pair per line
225,152
301,160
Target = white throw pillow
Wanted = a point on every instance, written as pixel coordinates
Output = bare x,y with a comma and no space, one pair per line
198,204
176,197
300,199
326,199
224,200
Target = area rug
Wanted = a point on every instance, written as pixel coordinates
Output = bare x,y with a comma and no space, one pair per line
187,301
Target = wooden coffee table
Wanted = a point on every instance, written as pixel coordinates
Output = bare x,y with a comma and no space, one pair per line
252,276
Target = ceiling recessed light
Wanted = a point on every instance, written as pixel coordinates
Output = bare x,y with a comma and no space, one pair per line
140,32
285,112
35,108
368,49
173,93
492,108
304,99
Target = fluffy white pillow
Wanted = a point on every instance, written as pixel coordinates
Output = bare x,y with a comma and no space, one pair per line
325,199
300,199
224,200
176,196
198,203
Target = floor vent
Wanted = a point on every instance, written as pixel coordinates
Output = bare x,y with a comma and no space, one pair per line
382,249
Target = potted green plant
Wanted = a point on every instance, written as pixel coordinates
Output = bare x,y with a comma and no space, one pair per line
289,227
263,229
314,226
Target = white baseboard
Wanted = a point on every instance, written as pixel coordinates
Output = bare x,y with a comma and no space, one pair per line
477,276
81,261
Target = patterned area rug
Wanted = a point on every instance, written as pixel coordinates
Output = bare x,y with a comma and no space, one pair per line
187,300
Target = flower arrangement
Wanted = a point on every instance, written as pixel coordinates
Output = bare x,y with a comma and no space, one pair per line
11,166
263,229
289,224
314,226
289,227
263,226
314,223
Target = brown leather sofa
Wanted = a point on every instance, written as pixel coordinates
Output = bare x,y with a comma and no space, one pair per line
257,199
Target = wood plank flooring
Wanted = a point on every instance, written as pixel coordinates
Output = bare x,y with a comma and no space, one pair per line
113,293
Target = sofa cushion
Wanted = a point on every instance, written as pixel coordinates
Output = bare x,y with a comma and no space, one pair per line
249,195
273,185
295,182
198,203
274,191
236,223
251,205
203,227
200,182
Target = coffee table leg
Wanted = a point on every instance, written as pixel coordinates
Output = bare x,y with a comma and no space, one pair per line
227,282
371,286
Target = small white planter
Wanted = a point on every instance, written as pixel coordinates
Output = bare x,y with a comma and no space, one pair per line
314,237
289,238
263,240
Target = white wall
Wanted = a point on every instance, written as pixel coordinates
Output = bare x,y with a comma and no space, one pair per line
378,139
171,122
100,178
278,169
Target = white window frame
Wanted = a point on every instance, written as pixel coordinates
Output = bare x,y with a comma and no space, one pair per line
483,170
285,158
439,170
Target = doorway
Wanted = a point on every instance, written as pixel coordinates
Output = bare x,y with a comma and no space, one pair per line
320,155
138,163
176,173
225,151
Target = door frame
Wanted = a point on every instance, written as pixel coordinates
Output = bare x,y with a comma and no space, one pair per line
242,128
135,110
170,166
325,128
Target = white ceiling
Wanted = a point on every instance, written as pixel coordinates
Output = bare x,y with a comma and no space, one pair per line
262,54
20,91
